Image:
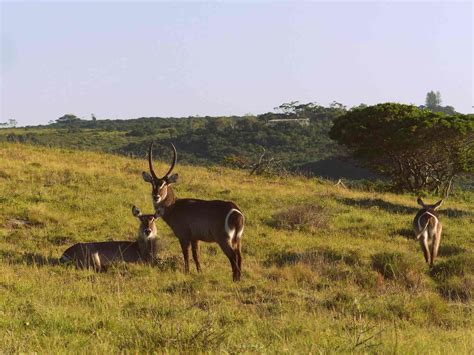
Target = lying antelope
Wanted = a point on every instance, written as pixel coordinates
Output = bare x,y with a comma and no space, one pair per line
427,228
195,220
99,255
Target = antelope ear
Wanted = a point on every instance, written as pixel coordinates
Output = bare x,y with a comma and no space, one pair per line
147,177
172,179
437,204
420,202
136,212
157,215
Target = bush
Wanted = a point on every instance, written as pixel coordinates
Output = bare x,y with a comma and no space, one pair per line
309,218
234,161
386,137
397,267
341,302
390,265
316,257
455,277
457,288
456,266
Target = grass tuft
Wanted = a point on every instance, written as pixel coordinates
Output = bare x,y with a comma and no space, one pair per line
459,265
341,302
399,268
457,288
308,218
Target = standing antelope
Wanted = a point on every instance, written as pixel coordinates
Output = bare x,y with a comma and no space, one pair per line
195,220
427,227
99,255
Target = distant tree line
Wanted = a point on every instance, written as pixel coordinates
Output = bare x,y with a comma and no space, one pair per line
433,103
11,123
416,148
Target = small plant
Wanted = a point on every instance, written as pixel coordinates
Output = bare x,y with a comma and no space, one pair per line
341,302
171,263
456,266
390,265
457,288
397,267
309,218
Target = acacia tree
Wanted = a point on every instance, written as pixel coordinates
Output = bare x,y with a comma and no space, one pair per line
311,110
68,118
417,149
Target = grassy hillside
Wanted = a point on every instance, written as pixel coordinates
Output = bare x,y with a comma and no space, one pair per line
200,140
325,269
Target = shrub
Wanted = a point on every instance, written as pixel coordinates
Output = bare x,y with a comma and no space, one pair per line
457,288
315,257
386,137
365,278
390,265
456,266
171,263
397,267
234,161
340,302
433,309
455,277
317,266
305,218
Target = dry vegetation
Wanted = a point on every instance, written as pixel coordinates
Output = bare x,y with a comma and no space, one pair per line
309,218
325,269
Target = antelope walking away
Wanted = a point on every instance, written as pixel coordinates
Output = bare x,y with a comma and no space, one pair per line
324,189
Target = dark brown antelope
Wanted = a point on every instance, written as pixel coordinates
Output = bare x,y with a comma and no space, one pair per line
427,228
195,220
99,255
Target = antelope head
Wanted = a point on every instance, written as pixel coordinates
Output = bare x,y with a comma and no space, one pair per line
147,224
429,207
160,185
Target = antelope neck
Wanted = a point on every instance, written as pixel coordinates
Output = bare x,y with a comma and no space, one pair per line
168,203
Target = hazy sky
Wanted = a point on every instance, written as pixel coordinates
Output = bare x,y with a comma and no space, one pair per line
128,60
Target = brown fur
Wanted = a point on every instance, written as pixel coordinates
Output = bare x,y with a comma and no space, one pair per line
99,255
194,220
427,228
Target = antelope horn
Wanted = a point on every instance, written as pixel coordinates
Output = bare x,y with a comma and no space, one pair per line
150,162
175,158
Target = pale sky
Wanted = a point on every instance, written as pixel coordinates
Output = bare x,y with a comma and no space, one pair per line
128,59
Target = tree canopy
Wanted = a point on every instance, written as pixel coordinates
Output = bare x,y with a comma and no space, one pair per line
433,103
418,149
433,100
11,123
68,118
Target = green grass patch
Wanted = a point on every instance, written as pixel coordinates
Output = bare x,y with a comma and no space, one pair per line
324,269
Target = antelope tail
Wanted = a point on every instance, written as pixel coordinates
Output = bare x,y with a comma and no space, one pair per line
423,230
235,231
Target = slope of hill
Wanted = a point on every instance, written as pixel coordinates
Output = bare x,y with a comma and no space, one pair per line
200,140
325,269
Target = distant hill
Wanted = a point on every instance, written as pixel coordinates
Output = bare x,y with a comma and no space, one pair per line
208,140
